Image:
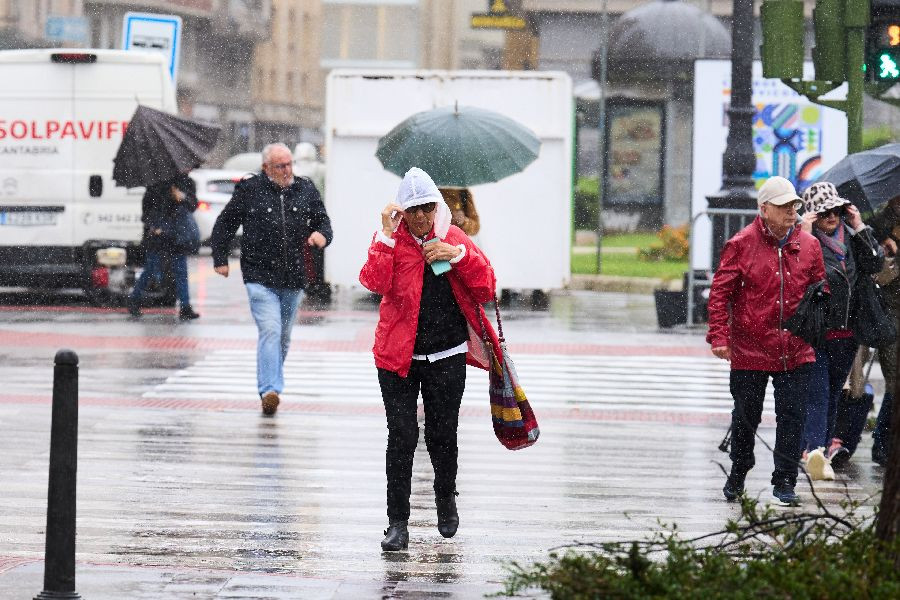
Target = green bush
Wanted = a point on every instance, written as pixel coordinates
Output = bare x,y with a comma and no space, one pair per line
764,554
587,203
877,136
672,245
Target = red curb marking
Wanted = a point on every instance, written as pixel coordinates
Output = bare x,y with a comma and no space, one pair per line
570,414
8,563
218,310
361,343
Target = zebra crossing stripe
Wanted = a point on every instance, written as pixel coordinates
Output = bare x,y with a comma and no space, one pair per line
635,383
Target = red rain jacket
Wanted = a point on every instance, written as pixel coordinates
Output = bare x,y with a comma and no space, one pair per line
762,286
396,273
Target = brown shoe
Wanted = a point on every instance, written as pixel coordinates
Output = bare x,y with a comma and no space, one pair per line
270,402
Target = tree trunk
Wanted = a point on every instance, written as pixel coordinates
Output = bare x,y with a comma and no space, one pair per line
888,526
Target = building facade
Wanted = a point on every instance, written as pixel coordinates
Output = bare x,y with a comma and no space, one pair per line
258,67
217,43
569,36
309,38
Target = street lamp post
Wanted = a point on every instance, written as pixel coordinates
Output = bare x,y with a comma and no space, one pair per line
604,51
738,161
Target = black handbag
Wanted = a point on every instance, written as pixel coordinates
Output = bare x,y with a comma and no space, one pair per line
187,234
808,321
870,321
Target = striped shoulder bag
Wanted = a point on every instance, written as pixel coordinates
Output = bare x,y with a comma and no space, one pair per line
514,422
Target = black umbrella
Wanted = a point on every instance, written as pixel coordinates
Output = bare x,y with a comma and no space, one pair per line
868,179
157,146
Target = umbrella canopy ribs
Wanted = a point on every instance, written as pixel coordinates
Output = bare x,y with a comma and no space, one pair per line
157,146
459,146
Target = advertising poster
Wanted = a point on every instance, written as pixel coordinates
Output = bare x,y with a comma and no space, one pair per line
634,168
792,137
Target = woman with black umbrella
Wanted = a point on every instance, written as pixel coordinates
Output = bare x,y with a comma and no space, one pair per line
161,206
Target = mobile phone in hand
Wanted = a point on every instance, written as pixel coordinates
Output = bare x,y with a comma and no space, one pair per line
438,267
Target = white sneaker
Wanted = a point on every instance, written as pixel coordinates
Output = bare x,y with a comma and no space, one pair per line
828,471
816,464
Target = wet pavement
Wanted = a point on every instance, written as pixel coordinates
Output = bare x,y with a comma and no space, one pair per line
186,491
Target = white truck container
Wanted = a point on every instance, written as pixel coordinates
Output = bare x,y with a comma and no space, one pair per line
525,219
62,117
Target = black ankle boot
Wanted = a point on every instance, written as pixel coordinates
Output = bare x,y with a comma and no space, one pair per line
187,313
448,517
734,485
396,537
134,307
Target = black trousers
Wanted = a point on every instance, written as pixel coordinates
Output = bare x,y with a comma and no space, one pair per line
442,384
748,388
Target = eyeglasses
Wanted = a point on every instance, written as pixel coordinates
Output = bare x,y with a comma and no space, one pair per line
790,206
281,166
837,211
425,208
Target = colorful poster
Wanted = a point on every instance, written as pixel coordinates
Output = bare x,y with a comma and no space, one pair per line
634,168
792,137
787,138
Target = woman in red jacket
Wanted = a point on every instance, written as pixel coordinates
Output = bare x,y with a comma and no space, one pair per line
433,280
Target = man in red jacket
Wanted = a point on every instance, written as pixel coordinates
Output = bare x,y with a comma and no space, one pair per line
762,275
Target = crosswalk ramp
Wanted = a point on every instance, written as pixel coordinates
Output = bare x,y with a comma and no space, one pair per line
636,383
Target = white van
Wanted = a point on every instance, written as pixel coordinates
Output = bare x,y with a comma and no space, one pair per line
62,116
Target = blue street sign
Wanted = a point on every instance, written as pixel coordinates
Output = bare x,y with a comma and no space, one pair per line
154,33
66,29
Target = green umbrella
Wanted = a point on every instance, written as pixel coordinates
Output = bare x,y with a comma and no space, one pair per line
459,146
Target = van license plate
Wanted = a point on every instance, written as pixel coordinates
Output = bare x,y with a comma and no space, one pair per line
28,219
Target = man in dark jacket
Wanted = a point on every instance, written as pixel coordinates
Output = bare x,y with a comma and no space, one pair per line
280,214
762,275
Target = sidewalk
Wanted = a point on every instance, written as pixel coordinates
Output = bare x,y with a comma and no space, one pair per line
186,491
626,285
120,582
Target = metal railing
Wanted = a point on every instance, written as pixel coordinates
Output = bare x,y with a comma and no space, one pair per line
744,216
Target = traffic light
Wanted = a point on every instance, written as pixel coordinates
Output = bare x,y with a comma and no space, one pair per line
782,46
829,54
883,42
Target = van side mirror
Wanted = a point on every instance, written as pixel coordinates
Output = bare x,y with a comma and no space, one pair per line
95,186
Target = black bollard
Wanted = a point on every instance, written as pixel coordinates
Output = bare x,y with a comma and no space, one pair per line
59,552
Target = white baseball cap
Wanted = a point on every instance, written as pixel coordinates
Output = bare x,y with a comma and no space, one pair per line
778,191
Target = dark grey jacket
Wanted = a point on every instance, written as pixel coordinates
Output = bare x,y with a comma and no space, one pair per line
883,222
277,223
864,257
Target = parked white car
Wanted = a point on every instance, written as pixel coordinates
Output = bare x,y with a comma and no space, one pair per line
214,190
249,162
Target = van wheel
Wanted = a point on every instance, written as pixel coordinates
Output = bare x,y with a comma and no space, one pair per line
540,300
97,296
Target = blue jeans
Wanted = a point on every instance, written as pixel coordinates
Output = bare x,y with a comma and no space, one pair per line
274,311
748,388
826,380
154,264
